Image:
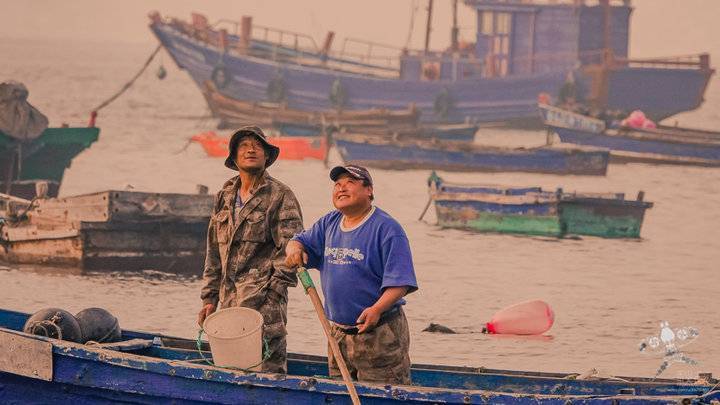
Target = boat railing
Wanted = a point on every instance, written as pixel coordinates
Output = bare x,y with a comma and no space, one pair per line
288,39
695,62
368,52
374,58
279,37
576,3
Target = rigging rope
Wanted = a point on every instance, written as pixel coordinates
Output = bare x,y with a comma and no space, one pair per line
130,83
413,11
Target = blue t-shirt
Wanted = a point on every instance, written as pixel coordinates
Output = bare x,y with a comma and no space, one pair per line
357,265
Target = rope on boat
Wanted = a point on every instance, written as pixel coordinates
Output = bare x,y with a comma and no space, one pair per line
129,83
265,356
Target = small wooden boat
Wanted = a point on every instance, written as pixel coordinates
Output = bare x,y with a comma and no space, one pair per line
109,230
533,211
384,153
660,145
43,159
234,113
301,143
152,368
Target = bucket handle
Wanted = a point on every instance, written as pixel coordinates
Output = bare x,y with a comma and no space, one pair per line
266,354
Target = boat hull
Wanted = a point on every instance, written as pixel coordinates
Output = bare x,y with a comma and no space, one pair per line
150,368
409,155
663,145
663,91
481,100
603,218
172,248
113,231
531,211
526,219
629,149
43,159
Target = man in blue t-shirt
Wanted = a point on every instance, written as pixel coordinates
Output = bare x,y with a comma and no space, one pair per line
366,269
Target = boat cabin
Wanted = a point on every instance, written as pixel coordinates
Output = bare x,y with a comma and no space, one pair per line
519,37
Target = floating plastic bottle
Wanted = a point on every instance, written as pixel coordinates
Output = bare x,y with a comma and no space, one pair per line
526,318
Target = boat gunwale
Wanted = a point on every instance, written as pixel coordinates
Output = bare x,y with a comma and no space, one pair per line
459,146
414,392
534,197
324,385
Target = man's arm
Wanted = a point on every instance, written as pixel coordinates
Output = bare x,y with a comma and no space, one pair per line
371,315
212,270
287,223
307,247
398,280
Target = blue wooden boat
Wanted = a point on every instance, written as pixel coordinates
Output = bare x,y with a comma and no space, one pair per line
383,153
519,51
534,211
662,145
148,368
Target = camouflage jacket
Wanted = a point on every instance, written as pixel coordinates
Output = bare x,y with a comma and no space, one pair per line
245,257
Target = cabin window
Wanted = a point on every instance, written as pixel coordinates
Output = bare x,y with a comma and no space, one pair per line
502,23
488,28
497,27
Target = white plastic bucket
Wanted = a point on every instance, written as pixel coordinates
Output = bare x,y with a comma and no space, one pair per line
235,336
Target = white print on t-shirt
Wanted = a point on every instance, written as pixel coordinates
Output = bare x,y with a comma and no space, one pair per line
339,255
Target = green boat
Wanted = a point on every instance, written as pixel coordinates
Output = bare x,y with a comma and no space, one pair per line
534,211
25,163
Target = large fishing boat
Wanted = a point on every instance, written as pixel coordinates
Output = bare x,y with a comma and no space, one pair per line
574,50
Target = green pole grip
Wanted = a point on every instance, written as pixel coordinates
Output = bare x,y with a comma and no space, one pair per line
305,279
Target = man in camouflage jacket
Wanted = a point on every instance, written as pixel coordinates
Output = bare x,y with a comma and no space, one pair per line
254,217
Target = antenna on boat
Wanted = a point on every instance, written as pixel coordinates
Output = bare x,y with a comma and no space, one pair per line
428,26
455,30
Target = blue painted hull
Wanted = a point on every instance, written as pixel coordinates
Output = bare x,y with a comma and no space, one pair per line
532,211
664,144
413,155
494,99
485,99
154,372
653,150
660,93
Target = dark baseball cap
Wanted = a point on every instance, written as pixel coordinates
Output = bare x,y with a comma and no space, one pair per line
355,171
271,150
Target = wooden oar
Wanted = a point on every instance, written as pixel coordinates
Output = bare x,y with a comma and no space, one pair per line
429,201
310,290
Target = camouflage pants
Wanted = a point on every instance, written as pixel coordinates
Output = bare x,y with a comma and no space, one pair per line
274,312
381,355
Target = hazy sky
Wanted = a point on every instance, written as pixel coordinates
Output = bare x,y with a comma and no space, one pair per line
659,27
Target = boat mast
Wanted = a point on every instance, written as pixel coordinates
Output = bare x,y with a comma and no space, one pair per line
455,29
428,26
607,15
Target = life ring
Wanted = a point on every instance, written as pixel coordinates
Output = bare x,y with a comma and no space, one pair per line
276,89
338,95
443,104
220,77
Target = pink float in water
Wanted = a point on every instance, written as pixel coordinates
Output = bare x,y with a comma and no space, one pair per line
526,318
